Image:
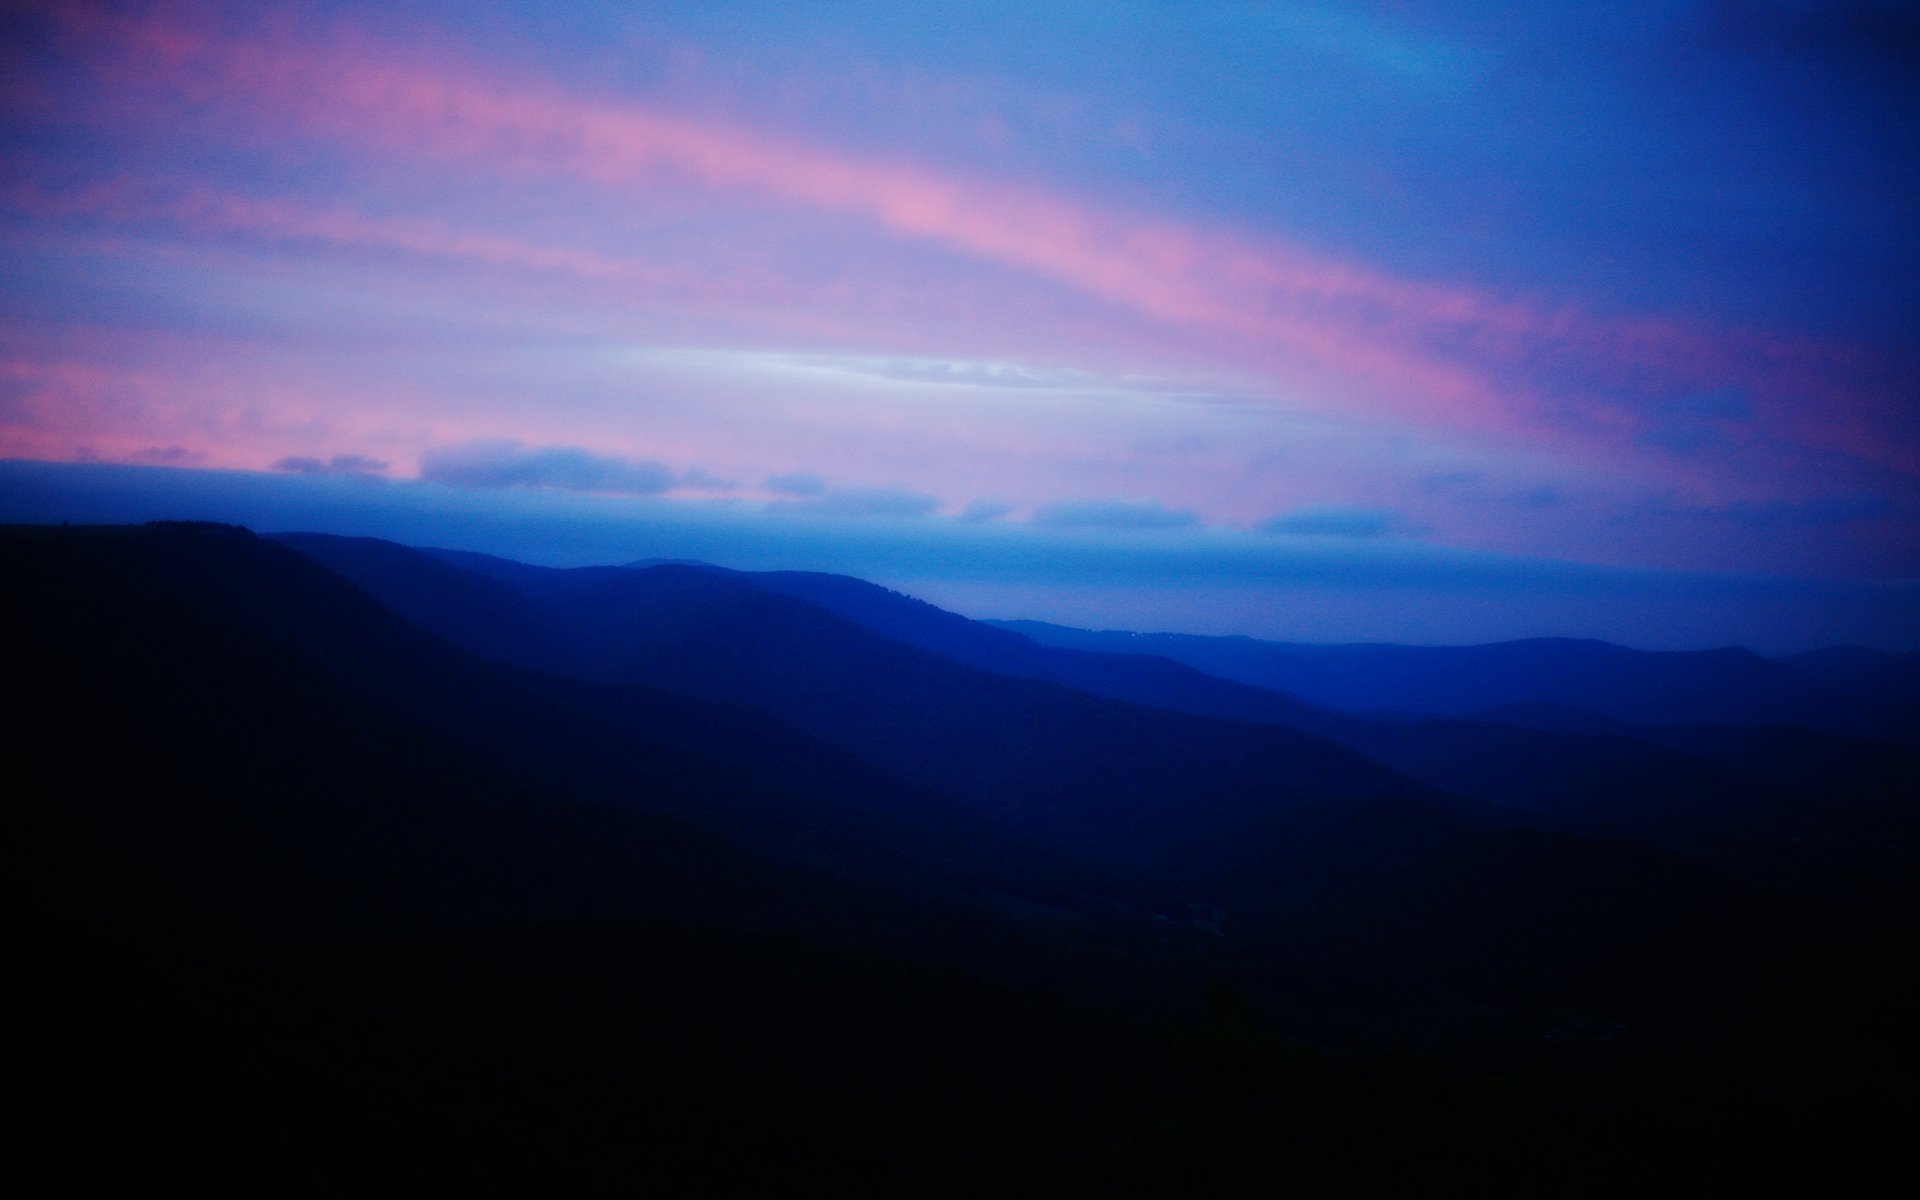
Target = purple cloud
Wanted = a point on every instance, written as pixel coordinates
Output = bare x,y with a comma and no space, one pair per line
1116,515
168,456
508,464
862,502
982,511
1340,520
797,483
339,464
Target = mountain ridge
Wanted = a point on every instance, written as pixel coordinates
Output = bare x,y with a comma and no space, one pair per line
1728,685
735,859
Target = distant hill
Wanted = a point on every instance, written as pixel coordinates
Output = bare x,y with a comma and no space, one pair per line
1725,792
1693,791
1131,785
881,676
1731,686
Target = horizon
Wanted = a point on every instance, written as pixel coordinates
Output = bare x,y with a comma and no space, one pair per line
490,539
1422,324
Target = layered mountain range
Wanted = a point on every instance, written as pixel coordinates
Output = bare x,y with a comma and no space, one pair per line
670,871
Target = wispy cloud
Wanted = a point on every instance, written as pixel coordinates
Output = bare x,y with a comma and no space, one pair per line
1447,354
252,239
861,503
1114,515
169,456
982,511
508,464
1341,521
809,494
797,483
339,464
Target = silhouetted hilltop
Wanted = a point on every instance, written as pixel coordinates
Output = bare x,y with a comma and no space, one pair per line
1271,822
1701,791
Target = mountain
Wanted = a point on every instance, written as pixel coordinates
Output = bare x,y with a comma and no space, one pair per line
1720,793
1156,682
1890,681
207,654
194,650
733,892
1137,789
311,899
1710,687
1274,823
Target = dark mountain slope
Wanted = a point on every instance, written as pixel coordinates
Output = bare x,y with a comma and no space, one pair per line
1733,794
279,937
1718,794
1157,683
294,896
1311,848
539,582
1870,779
481,615
1139,679
1137,785
1052,757
614,747
187,772
1279,826
1889,683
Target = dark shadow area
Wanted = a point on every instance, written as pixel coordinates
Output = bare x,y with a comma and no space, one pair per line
313,900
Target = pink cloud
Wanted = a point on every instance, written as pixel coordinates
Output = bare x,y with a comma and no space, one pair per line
98,394
380,95
1444,355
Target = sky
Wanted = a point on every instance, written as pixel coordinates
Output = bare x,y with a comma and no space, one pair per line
1429,322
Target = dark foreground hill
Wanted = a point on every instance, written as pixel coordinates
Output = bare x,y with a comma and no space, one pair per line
1303,841
1722,791
316,898
1757,800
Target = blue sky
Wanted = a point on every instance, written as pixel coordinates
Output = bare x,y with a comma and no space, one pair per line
1431,322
